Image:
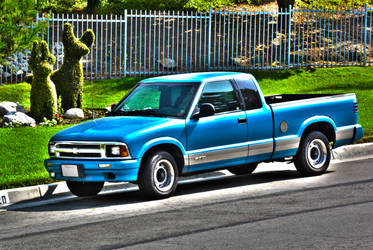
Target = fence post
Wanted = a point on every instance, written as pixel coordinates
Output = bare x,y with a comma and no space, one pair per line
289,36
209,42
365,33
125,43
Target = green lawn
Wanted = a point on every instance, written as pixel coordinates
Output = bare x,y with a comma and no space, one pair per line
23,150
97,94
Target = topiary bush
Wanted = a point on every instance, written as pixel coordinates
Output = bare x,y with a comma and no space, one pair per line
69,77
43,93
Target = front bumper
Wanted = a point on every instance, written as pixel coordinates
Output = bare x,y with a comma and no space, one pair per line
125,170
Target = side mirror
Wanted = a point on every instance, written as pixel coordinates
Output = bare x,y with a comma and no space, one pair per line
109,110
206,109
112,107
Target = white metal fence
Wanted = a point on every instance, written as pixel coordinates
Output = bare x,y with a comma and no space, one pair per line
140,43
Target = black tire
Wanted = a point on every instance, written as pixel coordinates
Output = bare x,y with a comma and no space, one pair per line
243,169
158,175
313,156
82,189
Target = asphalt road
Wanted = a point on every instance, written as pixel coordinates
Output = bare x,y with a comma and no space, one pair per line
274,208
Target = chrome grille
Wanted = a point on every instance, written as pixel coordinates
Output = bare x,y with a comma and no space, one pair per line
83,150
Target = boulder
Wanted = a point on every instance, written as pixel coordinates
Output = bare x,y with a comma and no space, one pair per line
6,107
74,113
19,117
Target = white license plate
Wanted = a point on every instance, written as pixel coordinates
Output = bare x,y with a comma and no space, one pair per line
70,170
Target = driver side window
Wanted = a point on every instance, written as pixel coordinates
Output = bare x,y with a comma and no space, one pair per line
222,95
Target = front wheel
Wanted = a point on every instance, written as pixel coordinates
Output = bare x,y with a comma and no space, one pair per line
158,175
313,155
84,188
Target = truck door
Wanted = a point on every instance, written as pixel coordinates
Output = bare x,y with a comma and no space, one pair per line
218,140
259,121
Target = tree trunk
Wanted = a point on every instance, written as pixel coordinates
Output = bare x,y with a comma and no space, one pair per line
284,4
92,6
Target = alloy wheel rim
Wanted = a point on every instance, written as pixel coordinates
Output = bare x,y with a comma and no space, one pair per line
317,153
164,175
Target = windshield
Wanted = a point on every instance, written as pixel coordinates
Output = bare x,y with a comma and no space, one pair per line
158,99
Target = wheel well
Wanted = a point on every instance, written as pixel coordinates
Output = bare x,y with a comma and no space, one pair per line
170,148
323,127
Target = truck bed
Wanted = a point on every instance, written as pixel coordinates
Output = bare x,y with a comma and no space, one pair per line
273,99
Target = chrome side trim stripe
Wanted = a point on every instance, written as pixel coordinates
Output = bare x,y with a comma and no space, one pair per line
218,155
261,148
203,150
228,152
286,143
346,132
186,160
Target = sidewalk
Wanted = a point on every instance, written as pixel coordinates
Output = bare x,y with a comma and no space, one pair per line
60,189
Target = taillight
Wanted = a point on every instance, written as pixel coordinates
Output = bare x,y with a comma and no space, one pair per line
356,107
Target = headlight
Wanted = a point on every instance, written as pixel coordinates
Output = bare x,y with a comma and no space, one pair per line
51,148
116,151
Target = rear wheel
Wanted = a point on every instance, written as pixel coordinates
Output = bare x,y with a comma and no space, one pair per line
313,155
244,169
158,175
84,188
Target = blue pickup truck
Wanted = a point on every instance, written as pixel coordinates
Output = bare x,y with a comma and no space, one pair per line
171,126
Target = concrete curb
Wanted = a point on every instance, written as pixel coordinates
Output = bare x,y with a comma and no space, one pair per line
54,190
353,151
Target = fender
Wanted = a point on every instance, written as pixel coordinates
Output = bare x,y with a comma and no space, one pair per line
315,119
158,141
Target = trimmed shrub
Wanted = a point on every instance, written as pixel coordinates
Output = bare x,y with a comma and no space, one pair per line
69,77
43,93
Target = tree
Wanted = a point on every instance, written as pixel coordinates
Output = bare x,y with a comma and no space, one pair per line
17,28
284,4
92,6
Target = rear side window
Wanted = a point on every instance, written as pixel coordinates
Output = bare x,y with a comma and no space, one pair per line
222,95
250,93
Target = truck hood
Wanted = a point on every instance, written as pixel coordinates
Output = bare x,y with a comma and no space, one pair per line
119,128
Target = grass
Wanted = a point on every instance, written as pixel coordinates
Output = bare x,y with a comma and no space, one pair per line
23,150
97,94
101,94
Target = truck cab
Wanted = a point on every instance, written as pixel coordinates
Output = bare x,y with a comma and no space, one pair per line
175,125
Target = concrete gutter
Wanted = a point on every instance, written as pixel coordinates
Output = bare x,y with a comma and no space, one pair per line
60,189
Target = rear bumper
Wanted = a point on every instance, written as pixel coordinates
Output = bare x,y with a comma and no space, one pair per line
359,133
91,172
347,135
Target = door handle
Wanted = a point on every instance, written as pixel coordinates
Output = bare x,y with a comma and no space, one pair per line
241,120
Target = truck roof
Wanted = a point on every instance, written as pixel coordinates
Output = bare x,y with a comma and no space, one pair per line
191,77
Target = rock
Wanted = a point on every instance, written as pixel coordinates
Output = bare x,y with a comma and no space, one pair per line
6,107
74,113
167,63
19,117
